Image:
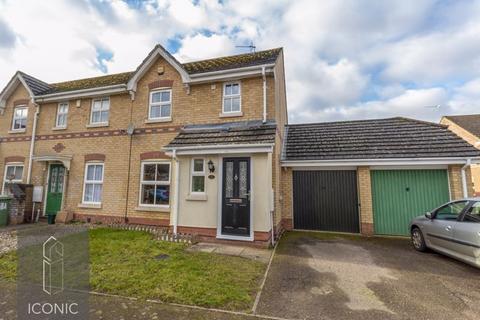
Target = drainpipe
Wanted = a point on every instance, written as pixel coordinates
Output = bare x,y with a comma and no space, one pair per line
464,178
264,95
32,142
177,188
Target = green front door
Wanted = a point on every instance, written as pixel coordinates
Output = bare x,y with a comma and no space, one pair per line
55,189
400,195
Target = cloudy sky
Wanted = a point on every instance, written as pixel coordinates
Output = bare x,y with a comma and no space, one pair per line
344,59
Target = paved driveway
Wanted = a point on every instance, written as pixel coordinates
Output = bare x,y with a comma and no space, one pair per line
324,276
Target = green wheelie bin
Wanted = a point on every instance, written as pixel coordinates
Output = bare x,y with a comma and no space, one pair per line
4,205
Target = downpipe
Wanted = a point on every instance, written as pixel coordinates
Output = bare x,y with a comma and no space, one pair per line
32,142
464,177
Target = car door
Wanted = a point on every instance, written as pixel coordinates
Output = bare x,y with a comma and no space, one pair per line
440,229
467,233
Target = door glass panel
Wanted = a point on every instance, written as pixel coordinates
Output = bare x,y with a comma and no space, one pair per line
53,179
229,180
61,172
243,180
451,211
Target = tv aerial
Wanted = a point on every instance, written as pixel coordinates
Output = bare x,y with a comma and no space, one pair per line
251,46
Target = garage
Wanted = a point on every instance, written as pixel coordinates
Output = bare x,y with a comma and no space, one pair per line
325,200
400,195
371,176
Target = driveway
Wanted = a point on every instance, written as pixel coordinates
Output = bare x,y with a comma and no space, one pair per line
328,276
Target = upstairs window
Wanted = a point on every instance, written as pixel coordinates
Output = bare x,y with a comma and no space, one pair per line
13,174
198,176
231,98
93,184
62,112
160,105
100,111
20,118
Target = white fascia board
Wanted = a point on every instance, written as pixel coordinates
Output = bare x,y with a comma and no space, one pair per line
84,93
12,84
231,74
221,149
379,162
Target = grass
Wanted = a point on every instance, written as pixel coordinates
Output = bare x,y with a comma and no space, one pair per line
124,263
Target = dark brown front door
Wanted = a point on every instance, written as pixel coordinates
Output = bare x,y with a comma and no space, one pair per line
236,197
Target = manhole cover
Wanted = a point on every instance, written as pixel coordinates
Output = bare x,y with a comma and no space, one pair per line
162,257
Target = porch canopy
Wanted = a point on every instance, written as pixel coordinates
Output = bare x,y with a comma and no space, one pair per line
64,159
223,138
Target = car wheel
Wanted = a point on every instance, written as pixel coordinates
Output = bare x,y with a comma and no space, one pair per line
418,241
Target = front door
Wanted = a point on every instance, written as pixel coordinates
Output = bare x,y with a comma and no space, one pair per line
55,189
236,197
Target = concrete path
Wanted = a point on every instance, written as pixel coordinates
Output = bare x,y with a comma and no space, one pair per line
339,277
262,255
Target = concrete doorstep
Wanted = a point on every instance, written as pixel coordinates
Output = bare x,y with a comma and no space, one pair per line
262,255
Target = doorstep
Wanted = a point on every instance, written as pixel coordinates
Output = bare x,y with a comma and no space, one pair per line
262,255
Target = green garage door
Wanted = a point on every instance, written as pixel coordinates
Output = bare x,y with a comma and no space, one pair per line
400,195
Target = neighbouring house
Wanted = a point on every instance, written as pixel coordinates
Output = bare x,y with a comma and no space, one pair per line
371,176
468,128
190,146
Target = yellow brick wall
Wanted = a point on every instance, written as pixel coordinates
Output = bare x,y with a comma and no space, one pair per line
286,188
202,105
473,140
365,200
455,179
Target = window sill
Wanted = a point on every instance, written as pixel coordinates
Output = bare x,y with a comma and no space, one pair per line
18,131
231,114
197,197
59,128
97,125
90,206
169,119
153,209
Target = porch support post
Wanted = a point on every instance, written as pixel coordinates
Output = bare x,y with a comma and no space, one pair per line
176,193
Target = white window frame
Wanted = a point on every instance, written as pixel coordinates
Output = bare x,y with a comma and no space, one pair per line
160,104
15,118
12,164
91,111
61,104
164,183
194,173
239,95
85,181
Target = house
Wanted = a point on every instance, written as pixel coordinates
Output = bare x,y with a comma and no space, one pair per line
468,128
190,146
371,176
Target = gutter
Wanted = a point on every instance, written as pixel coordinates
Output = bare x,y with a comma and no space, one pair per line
464,178
375,162
32,141
176,196
118,88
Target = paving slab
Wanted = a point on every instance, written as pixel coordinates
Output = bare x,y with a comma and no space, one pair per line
262,255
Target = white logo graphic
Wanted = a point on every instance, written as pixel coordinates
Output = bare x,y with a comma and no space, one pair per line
52,266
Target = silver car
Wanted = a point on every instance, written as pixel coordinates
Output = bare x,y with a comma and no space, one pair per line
452,229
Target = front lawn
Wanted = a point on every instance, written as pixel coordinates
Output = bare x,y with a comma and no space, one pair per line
126,263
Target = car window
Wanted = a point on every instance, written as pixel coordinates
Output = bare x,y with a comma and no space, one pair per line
473,213
451,211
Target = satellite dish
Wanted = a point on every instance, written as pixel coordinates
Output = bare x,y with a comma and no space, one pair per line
130,129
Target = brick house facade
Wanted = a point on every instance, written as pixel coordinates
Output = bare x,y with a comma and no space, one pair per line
143,111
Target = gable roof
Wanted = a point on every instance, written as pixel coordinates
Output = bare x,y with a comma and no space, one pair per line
469,122
39,88
393,138
236,133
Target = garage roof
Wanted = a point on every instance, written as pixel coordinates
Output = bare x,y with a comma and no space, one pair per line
393,138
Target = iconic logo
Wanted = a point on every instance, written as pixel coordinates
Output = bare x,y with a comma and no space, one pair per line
52,266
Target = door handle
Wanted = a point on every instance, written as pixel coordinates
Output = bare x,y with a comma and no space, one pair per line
448,228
